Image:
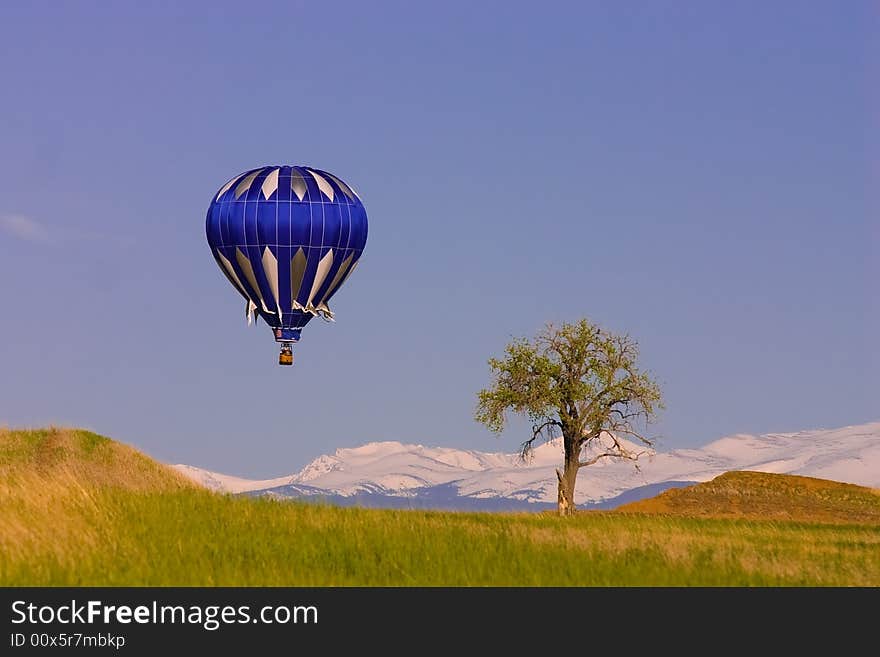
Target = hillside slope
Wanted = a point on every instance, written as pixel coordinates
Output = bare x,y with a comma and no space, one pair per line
50,481
767,496
51,459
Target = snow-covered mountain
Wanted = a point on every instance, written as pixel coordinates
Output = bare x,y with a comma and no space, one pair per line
393,473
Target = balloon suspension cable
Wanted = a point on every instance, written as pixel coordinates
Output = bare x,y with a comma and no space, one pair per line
286,355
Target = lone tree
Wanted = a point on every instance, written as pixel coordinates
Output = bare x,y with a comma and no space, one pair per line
577,380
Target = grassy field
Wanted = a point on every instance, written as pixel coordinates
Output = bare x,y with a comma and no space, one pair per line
79,509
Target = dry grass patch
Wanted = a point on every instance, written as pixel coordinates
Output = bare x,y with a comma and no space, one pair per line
767,496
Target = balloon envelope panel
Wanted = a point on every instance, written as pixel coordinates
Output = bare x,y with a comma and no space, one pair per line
287,238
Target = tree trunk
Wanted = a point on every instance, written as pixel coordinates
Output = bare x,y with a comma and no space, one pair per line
567,479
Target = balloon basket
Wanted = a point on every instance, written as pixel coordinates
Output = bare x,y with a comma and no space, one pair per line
285,357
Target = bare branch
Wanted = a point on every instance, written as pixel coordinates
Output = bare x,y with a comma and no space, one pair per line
525,450
629,431
626,416
622,454
583,464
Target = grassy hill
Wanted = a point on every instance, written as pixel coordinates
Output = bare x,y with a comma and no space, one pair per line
765,496
55,458
54,484
80,509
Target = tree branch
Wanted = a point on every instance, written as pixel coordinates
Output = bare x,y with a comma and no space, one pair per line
629,431
621,454
537,431
584,464
625,416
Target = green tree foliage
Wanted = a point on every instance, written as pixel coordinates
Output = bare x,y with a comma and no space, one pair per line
579,381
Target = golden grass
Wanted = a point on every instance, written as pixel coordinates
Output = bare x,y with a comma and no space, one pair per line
766,496
56,452
50,479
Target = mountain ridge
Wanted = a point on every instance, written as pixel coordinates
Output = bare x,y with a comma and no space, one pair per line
391,469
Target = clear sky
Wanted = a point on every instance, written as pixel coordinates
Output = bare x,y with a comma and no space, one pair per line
700,175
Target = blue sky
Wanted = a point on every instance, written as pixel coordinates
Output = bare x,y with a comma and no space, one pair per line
700,175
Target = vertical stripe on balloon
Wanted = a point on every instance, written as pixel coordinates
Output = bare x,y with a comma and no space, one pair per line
248,270
297,271
343,268
270,268
323,268
270,184
298,184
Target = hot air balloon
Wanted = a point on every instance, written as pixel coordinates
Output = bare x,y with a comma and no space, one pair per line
287,238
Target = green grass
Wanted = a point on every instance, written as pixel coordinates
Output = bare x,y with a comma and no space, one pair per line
142,529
